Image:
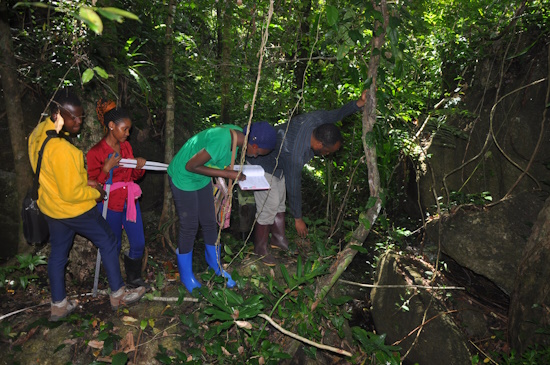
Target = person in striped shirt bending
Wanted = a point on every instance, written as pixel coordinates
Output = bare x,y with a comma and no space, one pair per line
299,140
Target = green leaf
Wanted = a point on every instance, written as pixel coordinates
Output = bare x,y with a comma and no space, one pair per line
342,51
355,35
339,300
287,277
143,324
38,5
364,221
92,20
109,15
233,299
121,12
227,250
218,314
371,202
120,359
101,72
332,15
360,249
87,75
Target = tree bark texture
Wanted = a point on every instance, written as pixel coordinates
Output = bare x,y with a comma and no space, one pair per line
303,44
14,112
368,217
224,52
167,207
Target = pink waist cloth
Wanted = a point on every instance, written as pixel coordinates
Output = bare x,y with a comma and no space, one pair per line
134,192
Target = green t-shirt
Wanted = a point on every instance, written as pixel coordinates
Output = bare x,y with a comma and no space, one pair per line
217,142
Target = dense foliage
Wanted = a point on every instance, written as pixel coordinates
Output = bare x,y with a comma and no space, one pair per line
316,57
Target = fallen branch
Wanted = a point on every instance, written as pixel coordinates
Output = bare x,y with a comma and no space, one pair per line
302,339
172,299
103,292
484,353
402,286
419,327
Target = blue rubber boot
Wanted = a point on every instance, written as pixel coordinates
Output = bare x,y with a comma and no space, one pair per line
212,255
185,267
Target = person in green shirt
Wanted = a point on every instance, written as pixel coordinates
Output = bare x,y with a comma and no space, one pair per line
202,157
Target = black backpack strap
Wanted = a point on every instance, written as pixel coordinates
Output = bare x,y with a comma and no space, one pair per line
49,135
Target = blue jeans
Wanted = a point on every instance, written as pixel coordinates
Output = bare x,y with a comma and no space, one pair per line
194,208
92,226
134,230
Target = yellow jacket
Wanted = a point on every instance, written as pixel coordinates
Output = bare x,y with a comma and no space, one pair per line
64,190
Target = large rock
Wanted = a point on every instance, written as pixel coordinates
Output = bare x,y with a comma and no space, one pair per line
529,315
414,318
490,242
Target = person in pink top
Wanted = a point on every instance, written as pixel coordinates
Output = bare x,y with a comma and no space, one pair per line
123,207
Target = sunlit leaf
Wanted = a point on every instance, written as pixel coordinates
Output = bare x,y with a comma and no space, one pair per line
101,72
121,12
143,324
87,75
92,20
38,5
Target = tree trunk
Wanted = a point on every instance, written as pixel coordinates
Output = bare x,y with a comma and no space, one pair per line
167,207
302,51
224,53
14,111
367,218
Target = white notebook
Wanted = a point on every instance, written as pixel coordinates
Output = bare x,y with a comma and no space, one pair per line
255,179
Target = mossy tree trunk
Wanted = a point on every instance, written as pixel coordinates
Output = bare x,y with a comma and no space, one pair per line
167,207
368,217
14,112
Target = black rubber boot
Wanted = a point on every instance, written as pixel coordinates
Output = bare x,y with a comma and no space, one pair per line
278,238
133,272
261,236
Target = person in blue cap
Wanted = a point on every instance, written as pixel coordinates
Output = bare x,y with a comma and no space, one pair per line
202,157
298,141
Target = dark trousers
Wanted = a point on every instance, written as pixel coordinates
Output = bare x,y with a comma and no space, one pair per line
134,230
92,226
194,208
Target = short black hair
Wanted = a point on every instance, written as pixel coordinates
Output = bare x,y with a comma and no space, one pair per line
328,134
64,97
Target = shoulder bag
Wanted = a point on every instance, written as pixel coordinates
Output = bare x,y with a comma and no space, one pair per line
35,227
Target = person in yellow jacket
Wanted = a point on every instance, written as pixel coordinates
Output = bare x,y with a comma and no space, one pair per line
68,200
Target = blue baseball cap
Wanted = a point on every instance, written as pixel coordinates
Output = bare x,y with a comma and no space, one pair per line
262,134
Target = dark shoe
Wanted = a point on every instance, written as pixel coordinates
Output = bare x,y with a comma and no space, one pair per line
185,267
261,236
133,272
278,238
62,309
124,296
212,254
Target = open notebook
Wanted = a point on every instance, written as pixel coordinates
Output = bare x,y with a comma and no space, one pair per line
255,179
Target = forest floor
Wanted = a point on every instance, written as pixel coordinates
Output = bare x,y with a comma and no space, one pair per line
26,336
